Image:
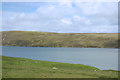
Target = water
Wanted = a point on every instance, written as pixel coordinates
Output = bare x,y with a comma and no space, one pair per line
102,58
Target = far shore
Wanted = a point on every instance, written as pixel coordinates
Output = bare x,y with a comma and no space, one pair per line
49,39
60,47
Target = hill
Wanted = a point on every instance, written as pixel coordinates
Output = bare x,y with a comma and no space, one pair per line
49,39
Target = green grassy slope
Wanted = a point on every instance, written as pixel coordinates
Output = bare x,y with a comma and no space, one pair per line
47,39
27,68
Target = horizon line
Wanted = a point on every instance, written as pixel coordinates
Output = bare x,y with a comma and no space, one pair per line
54,32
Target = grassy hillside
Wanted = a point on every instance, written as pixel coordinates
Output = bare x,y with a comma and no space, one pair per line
47,39
27,68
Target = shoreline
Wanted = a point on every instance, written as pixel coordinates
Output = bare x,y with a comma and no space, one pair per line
60,47
61,62
27,68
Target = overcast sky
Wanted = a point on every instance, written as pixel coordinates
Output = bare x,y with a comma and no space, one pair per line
62,17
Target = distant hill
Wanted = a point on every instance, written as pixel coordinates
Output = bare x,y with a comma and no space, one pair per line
49,39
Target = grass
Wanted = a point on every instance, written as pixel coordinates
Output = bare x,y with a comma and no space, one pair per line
49,39
27,68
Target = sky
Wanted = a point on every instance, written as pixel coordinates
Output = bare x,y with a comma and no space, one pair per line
61,17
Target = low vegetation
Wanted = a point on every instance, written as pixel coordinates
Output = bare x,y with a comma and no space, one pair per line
49,39
27,68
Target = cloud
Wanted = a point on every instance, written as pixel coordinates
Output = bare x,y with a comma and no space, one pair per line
81,20
66,21
78,17
67,3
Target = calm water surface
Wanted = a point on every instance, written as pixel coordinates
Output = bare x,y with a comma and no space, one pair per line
102,58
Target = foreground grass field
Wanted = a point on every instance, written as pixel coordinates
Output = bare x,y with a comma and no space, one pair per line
48,39
27,68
